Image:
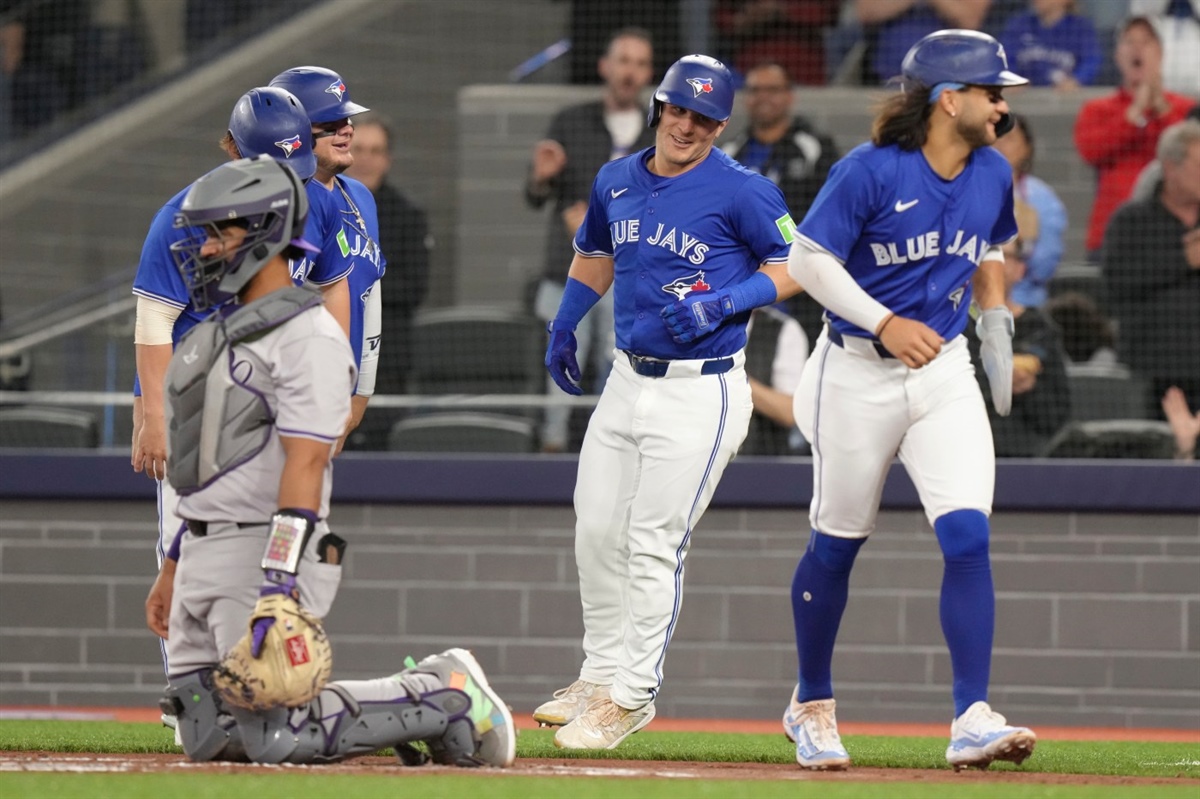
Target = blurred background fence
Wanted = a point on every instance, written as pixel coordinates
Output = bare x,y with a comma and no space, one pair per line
110,106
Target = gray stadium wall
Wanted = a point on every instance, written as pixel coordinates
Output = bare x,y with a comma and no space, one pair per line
1097,568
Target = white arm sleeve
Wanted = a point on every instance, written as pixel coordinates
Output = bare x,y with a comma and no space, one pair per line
372,332
824,277
154,321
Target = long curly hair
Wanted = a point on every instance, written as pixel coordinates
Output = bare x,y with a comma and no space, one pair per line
903,119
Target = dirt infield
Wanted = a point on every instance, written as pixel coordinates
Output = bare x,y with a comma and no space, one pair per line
43,762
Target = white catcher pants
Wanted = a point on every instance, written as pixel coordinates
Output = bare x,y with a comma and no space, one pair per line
653,454
860,411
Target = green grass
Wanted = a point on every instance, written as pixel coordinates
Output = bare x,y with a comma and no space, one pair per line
1131,759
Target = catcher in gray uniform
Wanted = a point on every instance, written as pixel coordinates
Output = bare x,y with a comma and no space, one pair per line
256,398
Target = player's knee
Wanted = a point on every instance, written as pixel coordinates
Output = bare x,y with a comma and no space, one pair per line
963,536
206,729
835,555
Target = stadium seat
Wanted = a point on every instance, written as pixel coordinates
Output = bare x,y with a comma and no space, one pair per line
48,427
1107,392
477,350
463,432
1113,438
1084,278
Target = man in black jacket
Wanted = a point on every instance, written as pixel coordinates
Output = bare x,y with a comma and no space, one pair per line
581,139
404,238
790,151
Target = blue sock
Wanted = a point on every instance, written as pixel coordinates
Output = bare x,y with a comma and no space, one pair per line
968,603
819,592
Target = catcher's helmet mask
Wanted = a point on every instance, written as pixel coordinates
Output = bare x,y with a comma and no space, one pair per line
260,194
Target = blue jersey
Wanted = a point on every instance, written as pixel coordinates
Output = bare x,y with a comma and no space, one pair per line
324,229
158,277
358,240
910,238
1068,48
706,229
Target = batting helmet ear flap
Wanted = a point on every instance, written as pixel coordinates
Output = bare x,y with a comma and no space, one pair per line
1005,124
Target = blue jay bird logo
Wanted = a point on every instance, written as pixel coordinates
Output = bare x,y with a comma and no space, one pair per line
290,146
337,89
686,285
700,85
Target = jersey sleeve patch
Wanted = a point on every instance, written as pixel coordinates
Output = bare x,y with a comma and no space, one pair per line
787,228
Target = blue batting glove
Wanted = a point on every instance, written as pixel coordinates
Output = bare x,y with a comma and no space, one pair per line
561,362
697,315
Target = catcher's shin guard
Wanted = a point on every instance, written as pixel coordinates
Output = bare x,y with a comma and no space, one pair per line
336,725
205,726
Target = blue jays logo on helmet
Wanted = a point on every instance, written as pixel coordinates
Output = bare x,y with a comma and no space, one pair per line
699,83
686,285
289,146
337,89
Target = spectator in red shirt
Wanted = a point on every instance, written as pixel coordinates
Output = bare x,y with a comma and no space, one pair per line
790,33
1117,134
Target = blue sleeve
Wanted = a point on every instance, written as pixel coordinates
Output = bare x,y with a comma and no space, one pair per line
1005,228
1052,227
1088,51
324,229
762,220
157,276
593,237
846,202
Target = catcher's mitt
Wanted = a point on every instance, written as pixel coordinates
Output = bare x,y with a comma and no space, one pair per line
284,659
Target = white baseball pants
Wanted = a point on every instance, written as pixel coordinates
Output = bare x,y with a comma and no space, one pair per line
860,411
654,452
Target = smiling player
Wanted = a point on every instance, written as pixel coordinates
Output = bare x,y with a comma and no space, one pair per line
684,226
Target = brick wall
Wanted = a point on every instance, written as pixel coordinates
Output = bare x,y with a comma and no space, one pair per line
1098,615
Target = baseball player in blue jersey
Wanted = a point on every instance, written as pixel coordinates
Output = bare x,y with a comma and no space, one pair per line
330,109
257,396
904,235
266,121
690,243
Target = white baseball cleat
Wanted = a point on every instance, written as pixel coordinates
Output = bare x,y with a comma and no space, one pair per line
791,715
981,735
813,726
569,703
603,726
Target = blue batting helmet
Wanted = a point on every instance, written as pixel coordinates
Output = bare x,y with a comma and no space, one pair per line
322,91
271,121
968,57
698,83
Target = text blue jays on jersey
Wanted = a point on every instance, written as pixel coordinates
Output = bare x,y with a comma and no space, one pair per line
929,246
677,241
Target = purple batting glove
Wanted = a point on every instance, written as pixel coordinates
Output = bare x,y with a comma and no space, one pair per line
696,315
